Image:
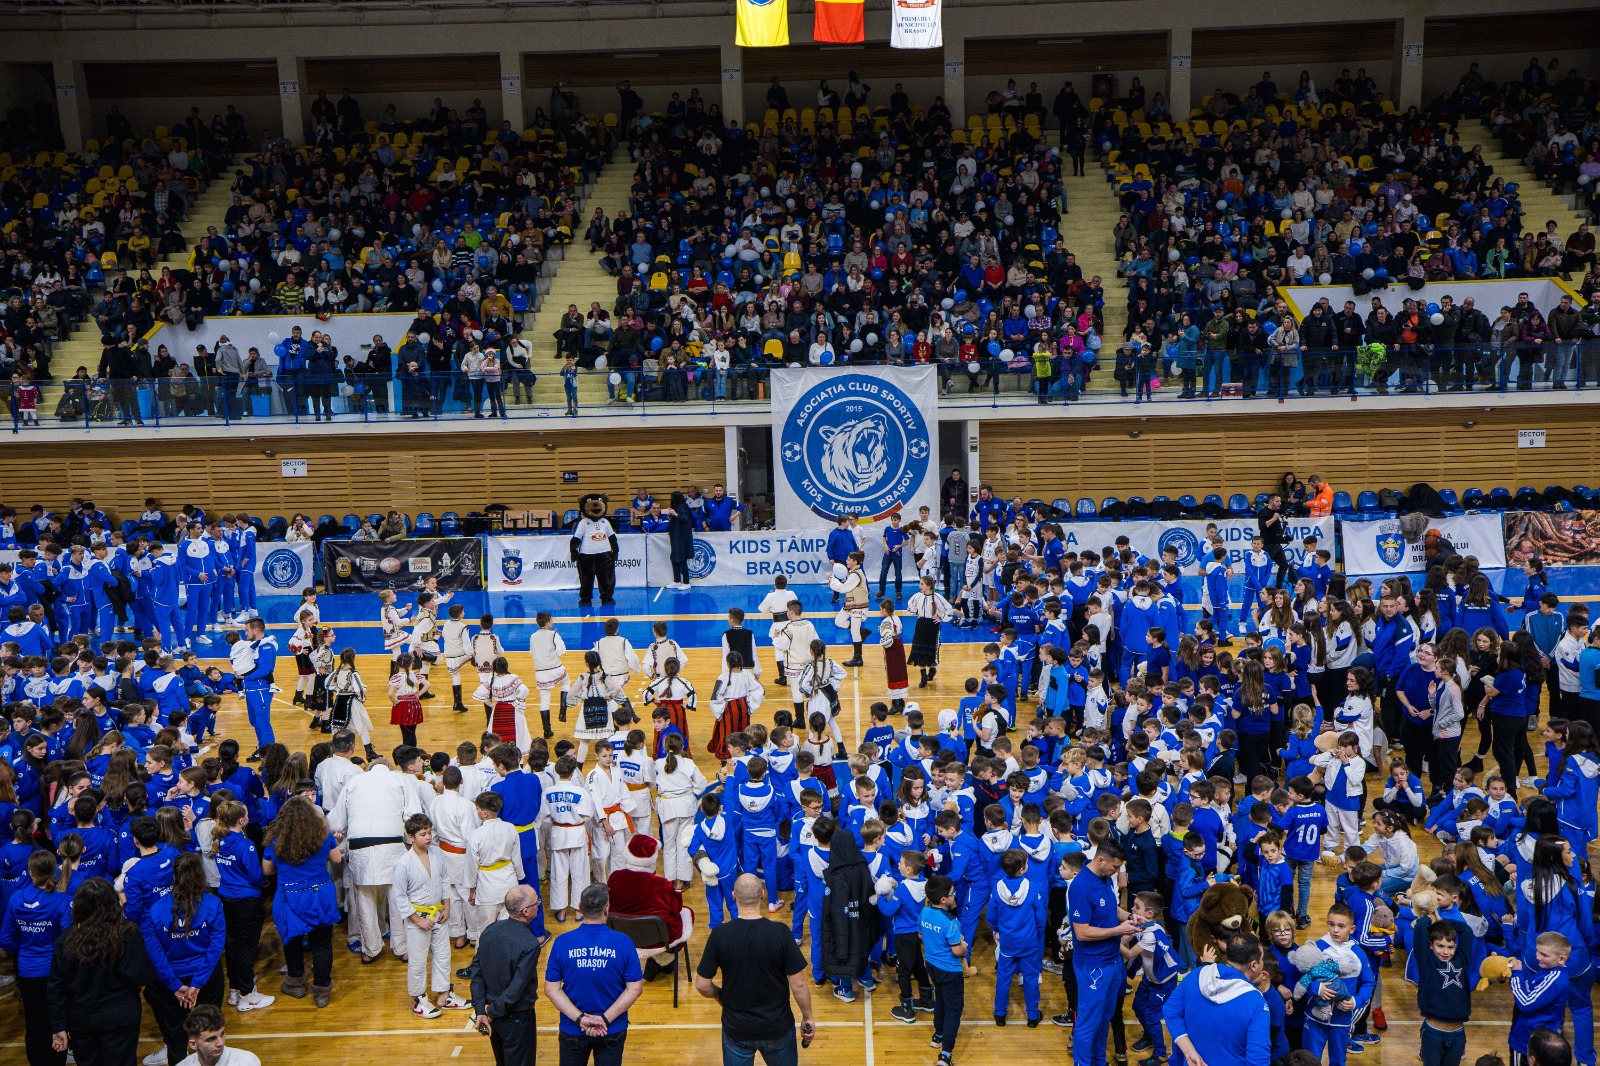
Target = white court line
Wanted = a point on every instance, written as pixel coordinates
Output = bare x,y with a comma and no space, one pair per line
855,686
657,596
455,1052
866,1012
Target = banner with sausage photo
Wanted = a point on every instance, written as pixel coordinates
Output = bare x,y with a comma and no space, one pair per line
1560,538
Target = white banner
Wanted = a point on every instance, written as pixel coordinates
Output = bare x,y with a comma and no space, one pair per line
1378,547
516,564
915,24
854,440
756,558
283,569
262,332
1188,537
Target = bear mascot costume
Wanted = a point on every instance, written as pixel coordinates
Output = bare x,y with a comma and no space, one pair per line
594,551
1224,911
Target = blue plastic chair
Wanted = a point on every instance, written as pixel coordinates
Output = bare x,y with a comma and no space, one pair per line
622,519
277,528
1188,503
1214,500
569,519
1259,502
1367,503
1239,505
324,520
450,516
1062,504
128,527
1160,499
1343,505
1450,500
449,525
375,519
1085,510
425,525
351,523
1500,498
1108,503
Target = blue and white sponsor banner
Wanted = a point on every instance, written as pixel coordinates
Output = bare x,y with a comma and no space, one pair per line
756,558
283,569
1189,538
515,564
1378,546
860,441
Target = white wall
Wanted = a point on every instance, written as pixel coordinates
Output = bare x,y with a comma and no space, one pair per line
349,333
1487,296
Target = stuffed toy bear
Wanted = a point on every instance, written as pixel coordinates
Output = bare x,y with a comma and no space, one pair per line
594,550
1224,911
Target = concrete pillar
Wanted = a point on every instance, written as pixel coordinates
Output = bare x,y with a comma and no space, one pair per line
1180,72
292,91
955,76
72,103
511,108
1406,80
732,84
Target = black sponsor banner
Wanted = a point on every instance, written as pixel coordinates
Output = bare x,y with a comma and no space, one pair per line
370,566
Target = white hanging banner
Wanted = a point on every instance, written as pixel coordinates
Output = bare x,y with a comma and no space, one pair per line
1380,548
854,440
915,24
282,568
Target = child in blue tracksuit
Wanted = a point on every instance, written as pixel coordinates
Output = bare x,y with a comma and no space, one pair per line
1274,878
901,908
800,844
1332,1001
815,872
760,809
1191,884
1215,598
713,842
1151,952
1558,903
1540,992
960,860
1016,915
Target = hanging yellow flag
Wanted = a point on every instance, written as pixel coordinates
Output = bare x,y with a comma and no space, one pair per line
762,23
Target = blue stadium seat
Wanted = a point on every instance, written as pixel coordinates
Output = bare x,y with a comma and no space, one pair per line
1108,503
1085,510
1367,502
569,519
1188,503
622,519
1239,505
375,519
449,524
259,526
1343,505
1450,500
450,516
1062,504
1139,500
277,528
128,527
324,519
1260,501
425,526
1500,498
351,523
1214,500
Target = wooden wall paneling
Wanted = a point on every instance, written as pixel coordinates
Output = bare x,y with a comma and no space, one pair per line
1270,47
676,66
1519,33
397,74
199,81
367,474
1066,52
875,63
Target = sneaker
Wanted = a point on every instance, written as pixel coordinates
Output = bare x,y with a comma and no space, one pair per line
1064,1020
905,1012
1144,1043
944,1058
774,908
233,997
455,1002
1303,922
1000,1020
256,1000
1033,1023
465,973
1366,1038
423,1008
1051,966
868,984
937,1044
1153,1060
844,995
1379,1022
1355,1047
158,1057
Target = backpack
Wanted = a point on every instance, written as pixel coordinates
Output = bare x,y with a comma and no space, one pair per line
1388,500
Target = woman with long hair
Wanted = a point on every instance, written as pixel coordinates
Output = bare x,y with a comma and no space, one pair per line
1252,718
1342,635
304,907
1575,791
1482,662
1505,705
1555,898
184,936
238,863
96,972
32,943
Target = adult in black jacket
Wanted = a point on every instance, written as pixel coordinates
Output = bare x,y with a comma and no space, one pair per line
95,976
1382,329
1472,337
680,537
1316,336
1274,535
118,365
849,917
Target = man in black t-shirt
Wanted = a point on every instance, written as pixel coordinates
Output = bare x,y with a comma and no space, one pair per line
761,967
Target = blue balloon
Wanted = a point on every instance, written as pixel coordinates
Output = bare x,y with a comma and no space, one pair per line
1383,272
282,347
1269,328
656,344
1433,309
994,347
961,295
877,274
247,307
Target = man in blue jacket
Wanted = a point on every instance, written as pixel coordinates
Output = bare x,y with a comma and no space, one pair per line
257,684
841,542
720,509
1392,647
1217,1015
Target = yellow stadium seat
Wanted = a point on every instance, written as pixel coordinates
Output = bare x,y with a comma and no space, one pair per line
791,115
808,114
825,114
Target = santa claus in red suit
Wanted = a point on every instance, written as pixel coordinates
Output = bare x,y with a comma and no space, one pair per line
638,891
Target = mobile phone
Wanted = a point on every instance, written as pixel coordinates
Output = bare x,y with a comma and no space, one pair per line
806,1036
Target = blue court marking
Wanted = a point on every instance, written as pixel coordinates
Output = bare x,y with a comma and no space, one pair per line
698,617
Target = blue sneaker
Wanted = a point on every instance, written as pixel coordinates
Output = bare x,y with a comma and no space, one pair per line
844,994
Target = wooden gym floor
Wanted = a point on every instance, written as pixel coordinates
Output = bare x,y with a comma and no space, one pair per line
369,1018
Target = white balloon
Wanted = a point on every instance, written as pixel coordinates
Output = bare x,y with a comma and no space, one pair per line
255,284
1369,273
1009,220
1287,213
872,338
615,378
1584,179
1006,353
973,367
947,303
838,571
856,345
273,337
1324,278
477,334
1030,312
600,362
334,234
1436,318
423,337
1173,255
789,203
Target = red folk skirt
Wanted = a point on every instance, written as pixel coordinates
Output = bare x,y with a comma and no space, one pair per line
407,712
735,719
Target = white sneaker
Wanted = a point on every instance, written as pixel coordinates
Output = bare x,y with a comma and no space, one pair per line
455,1002
1527,782
422,1008
256,1000
233,997
157,1057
